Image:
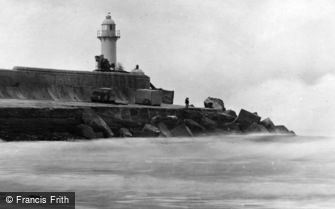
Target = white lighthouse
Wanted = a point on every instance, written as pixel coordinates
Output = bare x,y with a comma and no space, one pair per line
108,35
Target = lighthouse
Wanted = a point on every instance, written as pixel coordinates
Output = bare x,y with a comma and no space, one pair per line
108,35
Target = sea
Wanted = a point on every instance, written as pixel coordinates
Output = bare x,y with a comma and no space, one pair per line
230,172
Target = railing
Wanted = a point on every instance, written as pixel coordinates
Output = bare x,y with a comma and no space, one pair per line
108,33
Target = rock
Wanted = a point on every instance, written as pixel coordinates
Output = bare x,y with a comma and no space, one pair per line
150,130
268,124
194,126
115,123
136,132
156,119
256,128
224,117
245,119
86,131
221,117
181,131
292,133
214,103
124,132
193,114
90,118
164,130
99,135
208,123
169,120
232,127
282,130
231,113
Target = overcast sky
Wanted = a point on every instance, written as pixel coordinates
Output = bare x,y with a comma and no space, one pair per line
274,57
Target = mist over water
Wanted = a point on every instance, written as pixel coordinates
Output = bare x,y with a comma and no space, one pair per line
212,172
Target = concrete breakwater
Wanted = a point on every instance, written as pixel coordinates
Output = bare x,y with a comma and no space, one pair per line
66,85
79,122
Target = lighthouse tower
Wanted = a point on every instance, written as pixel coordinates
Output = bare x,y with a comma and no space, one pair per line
108,36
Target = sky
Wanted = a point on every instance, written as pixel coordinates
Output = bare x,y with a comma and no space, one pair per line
273,57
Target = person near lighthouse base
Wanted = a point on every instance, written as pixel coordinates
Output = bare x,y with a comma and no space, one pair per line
137,70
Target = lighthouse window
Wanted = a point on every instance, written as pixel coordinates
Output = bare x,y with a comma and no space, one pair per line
105,27
111,27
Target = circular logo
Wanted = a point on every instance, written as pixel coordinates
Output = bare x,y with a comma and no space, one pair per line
9,199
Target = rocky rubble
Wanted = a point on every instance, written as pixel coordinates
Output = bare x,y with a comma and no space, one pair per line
27,124
215,103
186,123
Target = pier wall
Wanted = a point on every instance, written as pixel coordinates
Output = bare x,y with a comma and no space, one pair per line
64,85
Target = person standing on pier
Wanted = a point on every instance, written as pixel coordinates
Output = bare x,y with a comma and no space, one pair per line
187,102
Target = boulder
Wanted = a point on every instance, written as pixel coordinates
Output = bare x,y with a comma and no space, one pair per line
256,128
156,119
193,114
282,130
194,126
124,132
181,131
214,103
232,113
99,135
268,124
150,130
232,127
115,123
245,119
137,132
208,123
90,118
86,131
170,120
292,133
164,130
220,117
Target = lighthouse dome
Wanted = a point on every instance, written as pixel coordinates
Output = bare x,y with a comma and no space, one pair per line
108,20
